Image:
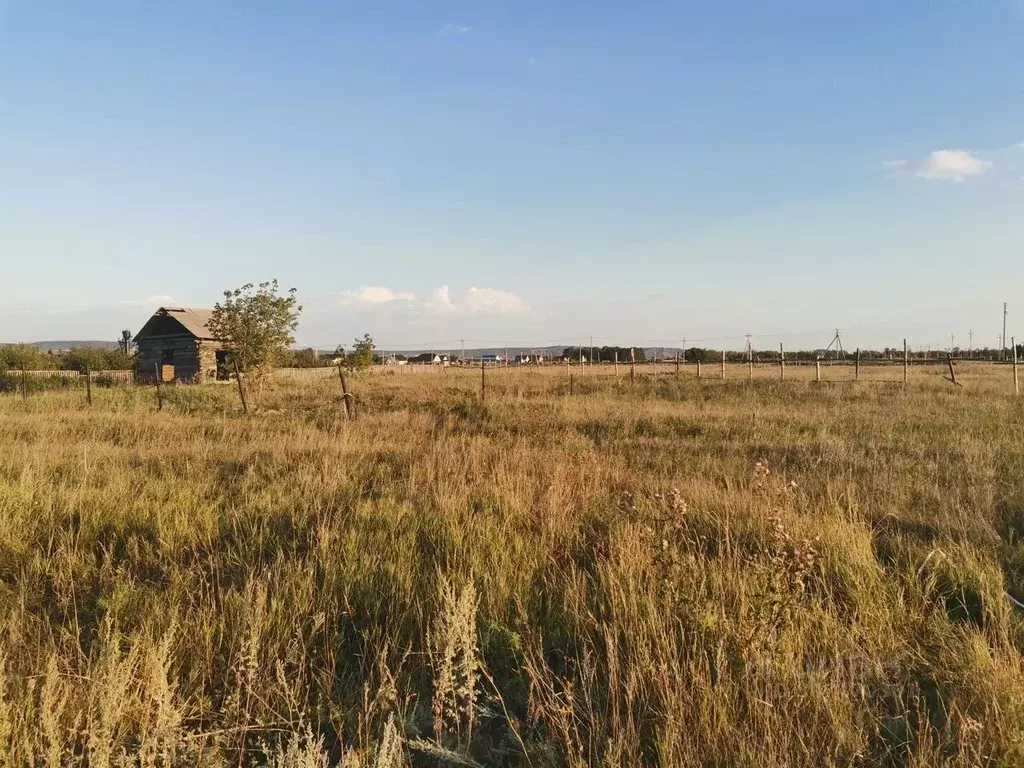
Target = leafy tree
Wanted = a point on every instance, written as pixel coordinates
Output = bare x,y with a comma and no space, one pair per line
256,324
17,356
303,358
364,354
81,358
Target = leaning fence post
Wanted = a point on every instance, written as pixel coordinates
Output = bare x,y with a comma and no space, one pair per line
241,388
24,384
350,407
616,360
88,386
782,363
817,369
159,389
677,363
952,373
906,362
1016,381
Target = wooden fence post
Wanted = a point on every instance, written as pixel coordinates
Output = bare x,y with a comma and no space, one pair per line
88,386
698,367
677,363
750,365
952,373
856,366
350,406
616,363
817,369
723,365
1016,381
483,380
906,363
782,363
24,384
159,387
632,366
241,388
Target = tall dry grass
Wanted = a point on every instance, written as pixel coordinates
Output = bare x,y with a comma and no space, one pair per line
675,573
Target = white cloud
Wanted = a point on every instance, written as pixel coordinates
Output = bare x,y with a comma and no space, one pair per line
951,165
376,294
487,301
455,29
441,300
531,60
476,301
151,301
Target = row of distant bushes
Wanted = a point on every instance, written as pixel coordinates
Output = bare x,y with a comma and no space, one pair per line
15,357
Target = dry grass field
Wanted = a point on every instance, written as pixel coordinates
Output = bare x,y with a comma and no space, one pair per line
674,573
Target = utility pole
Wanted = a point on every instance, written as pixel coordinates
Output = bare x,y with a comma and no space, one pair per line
838,342
1002,343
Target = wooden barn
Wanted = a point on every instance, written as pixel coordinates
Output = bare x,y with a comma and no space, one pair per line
177,343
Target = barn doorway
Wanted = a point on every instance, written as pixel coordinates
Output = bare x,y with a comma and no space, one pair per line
167,365
223,365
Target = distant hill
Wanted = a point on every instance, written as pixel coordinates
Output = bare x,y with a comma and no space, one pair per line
548,351
46,346
476,352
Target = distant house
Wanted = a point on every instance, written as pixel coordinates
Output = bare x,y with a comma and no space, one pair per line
177,343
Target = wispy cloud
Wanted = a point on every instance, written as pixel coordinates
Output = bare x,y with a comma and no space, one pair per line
455,29
487,301
475,301
951,165
941,165
151,301
376,294
531,60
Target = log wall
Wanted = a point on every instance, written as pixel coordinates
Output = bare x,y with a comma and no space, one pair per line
194,361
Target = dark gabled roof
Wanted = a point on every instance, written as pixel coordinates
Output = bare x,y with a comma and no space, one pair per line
191,321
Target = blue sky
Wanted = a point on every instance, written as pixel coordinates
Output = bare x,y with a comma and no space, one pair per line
521,172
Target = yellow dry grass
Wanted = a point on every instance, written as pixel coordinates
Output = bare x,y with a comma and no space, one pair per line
674,573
